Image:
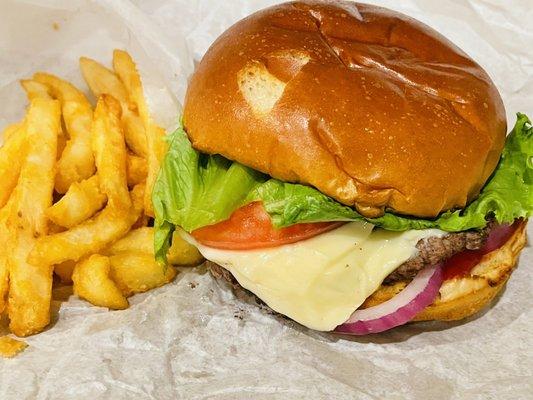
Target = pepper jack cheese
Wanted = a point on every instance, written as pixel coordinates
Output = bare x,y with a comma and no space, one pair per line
320,282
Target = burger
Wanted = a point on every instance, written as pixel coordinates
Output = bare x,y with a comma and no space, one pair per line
349,168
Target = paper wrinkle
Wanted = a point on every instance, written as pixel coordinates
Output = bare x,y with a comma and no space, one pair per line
193,339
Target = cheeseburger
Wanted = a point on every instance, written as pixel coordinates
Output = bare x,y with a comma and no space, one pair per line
349,168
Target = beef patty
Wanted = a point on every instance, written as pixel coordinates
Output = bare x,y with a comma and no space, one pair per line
432,250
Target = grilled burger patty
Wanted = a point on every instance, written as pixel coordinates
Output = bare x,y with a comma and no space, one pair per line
434,250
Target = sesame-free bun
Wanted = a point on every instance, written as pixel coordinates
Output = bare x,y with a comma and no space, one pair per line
371,107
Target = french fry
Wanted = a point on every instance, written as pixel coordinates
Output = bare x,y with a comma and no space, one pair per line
11,157
80,203
10,347
30,286
90,236
35,89
77,161
93,283
84,199
5,239
110,152
134,133
64,271
9,131
141,240
101,80
138,272
155,135
137,170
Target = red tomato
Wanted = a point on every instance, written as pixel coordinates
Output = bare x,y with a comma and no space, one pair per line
462,263
250,227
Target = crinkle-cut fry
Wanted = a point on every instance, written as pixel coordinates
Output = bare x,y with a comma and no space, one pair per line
110,152
137,170
10,347
155,135
12,154
102,80
92,282
82,200
30,286
139,272
35,89
90,236
141,240
77,161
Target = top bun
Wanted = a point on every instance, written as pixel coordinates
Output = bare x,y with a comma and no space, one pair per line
371,107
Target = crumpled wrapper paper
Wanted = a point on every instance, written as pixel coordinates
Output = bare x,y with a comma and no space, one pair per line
192,339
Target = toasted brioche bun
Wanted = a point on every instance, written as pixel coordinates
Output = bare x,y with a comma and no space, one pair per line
371,107
458,298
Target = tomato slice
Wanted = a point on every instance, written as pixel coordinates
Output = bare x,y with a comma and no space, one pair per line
250,227
462,263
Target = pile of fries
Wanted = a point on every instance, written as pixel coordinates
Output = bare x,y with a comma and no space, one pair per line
75,197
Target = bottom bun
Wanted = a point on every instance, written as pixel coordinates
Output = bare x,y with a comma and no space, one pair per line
458,297
464,296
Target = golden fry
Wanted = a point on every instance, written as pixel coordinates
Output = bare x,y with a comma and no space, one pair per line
134,133
35,89
77,161
155,135
141,240
182,252
31,285
102,80
64,271
137,272
92,283
11,158
5,239
137,170
110,152
10,347
10,131
80,203
90,236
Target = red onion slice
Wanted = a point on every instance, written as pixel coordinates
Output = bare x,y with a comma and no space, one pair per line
498,236
402,308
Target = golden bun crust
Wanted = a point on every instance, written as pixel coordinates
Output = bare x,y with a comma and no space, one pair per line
462,297
371,107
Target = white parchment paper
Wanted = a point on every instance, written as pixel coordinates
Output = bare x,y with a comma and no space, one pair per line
192,339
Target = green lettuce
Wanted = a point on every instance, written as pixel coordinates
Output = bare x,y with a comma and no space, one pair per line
195,190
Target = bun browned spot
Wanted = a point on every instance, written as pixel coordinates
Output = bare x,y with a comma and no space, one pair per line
371,107
458,298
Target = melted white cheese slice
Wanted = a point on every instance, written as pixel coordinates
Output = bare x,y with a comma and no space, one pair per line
321,281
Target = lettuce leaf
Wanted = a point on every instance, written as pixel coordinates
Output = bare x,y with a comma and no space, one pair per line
194,190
